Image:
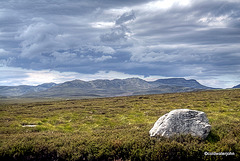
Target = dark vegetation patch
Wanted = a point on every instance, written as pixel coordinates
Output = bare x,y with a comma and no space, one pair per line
117,128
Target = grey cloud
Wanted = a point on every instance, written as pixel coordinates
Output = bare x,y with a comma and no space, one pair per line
67,7
38,38
70,59
168,54
64,57
6,62
216,8
9,19
102,58
117,33
184,24
199,39
120,30
126,17
11,77
101,49
211,43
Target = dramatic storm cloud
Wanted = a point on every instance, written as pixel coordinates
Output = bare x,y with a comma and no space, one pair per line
55,41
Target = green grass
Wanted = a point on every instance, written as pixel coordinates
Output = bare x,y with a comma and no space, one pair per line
117,128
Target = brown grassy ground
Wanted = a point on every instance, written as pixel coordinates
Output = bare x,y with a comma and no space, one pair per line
117,128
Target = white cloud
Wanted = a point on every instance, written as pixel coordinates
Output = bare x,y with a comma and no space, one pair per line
154,57
102,49
102,58
211,21
102,25
117,11
3,52
6,62
218,81
19,76
98,59
154,6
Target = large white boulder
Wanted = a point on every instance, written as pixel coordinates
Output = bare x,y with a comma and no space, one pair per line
182,121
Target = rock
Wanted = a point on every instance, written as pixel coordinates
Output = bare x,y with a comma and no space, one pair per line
29,125
182,121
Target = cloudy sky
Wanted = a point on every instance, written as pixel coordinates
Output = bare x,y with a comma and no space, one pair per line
55,41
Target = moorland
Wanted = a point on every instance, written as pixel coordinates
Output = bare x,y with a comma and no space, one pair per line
116,128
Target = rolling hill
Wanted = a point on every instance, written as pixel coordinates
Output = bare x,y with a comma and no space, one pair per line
237,86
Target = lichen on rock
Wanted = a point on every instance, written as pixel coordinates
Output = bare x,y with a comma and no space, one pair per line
182,121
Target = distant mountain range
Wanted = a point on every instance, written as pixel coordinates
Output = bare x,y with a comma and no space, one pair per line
103,88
